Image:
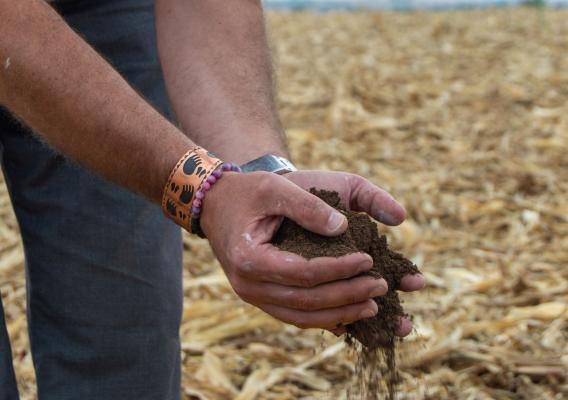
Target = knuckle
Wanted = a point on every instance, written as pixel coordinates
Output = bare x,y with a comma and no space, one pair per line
243,268
308,278
309,206
354,297
238,259
355,179
264,182
305,302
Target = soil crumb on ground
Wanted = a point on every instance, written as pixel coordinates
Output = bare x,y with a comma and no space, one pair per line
376,361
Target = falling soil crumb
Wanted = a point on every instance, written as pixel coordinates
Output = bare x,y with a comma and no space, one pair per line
376,362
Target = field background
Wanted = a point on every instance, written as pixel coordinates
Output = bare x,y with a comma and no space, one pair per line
463,116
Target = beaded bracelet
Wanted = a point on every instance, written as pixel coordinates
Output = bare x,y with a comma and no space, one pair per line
200,195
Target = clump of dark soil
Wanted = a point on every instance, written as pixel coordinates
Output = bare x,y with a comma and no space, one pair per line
376,363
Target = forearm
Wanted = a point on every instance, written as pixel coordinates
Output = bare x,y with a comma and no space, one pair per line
58,85
218,72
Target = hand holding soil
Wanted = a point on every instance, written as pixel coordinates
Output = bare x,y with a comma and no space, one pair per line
388,267
322,292
376,364
316,262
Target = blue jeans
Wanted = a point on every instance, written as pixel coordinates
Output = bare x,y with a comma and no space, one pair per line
103,265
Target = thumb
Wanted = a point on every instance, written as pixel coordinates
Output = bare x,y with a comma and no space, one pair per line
289,200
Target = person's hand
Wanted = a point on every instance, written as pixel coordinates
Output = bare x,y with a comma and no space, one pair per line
241,214
358,194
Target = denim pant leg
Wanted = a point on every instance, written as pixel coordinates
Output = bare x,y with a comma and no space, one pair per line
8,387
103,264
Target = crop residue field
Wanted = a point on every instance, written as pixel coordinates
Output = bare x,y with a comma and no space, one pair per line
463,116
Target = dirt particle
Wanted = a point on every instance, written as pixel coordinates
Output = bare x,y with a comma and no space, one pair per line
528,184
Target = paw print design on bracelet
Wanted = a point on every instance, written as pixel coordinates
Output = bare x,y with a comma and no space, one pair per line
187,194
171,208
193,166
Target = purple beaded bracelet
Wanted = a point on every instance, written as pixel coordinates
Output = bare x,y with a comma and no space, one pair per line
200,195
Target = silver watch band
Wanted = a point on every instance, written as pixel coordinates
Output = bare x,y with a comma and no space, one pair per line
269,163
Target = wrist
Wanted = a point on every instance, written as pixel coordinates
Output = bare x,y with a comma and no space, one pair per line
203,190
241,145
215,200
165,161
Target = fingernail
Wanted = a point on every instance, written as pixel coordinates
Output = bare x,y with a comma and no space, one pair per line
366,264
413,282
422,280
381,287
335,221
369,312
404,327
388,218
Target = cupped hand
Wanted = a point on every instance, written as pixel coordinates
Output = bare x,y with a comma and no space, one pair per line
240,216
358,194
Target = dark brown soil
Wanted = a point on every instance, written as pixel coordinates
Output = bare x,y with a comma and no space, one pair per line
376,360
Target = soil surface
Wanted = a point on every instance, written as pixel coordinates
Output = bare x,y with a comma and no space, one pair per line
376,364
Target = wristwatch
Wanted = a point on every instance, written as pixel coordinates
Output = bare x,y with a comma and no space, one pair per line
269,163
